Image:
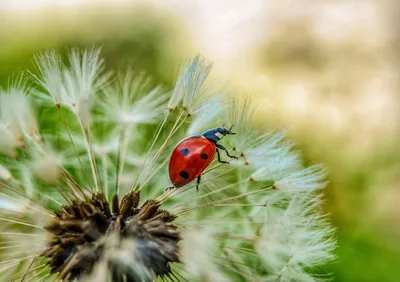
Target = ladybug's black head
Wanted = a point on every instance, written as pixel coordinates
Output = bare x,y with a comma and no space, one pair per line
224,131
218,133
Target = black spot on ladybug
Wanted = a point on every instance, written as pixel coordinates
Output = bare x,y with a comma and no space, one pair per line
204,156
185,151
184,174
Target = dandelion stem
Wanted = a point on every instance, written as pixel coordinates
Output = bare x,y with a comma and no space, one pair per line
236,237
152,175
26,205
16,261
250,278
151,147
52,199
221,201
22,251
15,246
240,249
42,195
90,155
124,139
238,264
38,274
20,234
70,184
175,127
172,193
20,222
177,274
118,170
97,172
212,192
28,271
232,221
67,127
104,163
44,278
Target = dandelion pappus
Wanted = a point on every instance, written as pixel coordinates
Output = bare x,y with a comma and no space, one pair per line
194,154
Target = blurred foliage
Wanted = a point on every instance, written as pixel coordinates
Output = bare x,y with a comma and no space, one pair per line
363,159
150,40
138,36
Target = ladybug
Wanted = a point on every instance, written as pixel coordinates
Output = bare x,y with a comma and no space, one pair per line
194,154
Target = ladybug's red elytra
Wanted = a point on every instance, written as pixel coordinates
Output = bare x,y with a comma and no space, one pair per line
193,155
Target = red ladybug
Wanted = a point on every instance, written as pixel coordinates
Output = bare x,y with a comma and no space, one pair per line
193,155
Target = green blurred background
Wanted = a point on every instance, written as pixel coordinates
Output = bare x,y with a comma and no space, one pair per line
326,70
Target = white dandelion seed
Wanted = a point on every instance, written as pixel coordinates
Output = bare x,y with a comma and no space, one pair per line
191,84
133,100
51,77
74,85
308,179
47,165
8,141
205,117
5,174
17,118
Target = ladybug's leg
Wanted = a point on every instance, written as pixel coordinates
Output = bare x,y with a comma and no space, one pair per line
219,157
226,151
170,188
198,183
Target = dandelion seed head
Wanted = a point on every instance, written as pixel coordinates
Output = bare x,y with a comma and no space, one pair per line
97,200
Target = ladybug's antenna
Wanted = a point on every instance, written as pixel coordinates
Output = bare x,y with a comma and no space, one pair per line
230,130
